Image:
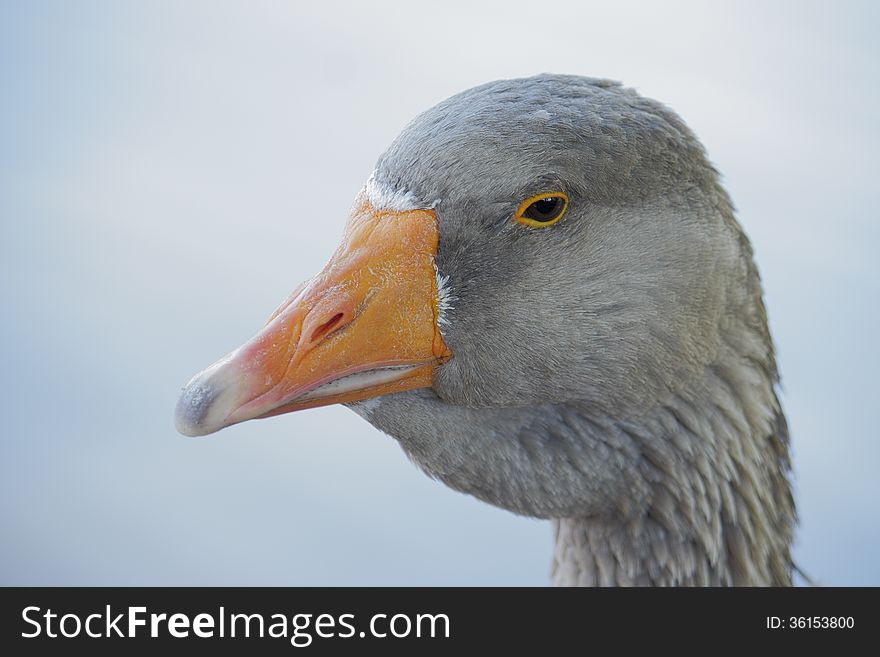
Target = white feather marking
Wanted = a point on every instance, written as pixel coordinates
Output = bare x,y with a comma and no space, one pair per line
444,299
383,197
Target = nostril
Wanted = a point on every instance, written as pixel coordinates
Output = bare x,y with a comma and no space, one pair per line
325,328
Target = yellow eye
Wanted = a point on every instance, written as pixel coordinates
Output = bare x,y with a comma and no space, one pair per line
542,209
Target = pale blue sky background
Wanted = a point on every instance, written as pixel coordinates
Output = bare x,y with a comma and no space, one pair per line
169,171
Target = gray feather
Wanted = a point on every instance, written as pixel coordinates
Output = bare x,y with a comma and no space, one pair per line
613,372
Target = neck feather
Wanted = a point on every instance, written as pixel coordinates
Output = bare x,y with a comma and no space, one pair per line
717,507
694,491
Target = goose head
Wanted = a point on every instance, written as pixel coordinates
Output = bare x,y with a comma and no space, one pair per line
543,294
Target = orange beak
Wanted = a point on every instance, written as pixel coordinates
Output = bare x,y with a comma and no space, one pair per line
365,326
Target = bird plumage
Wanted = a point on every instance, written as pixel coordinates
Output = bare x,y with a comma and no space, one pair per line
614,372
611,370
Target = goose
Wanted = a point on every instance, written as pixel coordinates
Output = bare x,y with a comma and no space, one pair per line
543,294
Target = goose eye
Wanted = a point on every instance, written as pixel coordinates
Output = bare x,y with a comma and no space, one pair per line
542,209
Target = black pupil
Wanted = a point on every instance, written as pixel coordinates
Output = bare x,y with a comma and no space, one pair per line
546,209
